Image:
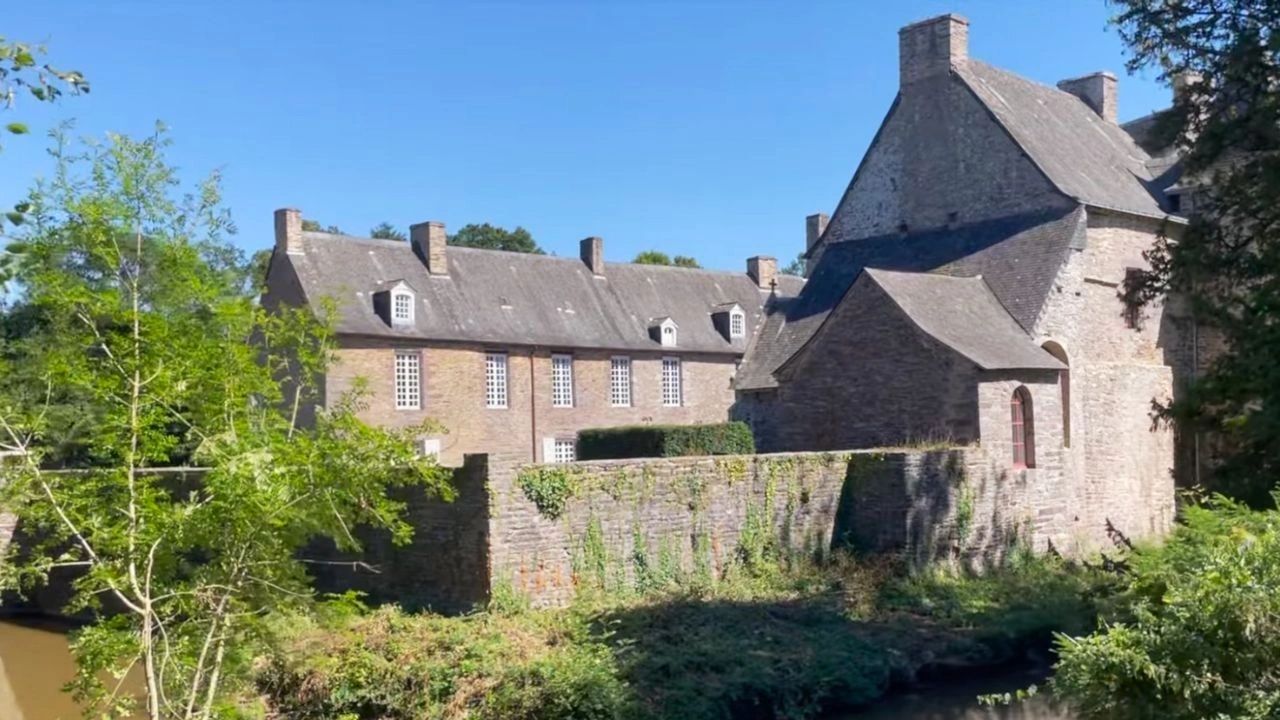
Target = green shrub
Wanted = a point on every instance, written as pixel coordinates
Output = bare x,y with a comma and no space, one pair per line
732,438
1197,631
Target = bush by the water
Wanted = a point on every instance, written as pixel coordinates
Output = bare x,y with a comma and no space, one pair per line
790,641
632,441
1197,632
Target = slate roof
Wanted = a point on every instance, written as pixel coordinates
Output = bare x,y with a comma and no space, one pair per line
507,298
1018,257
963,314
1092,160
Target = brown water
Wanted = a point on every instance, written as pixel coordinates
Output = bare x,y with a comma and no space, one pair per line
35,664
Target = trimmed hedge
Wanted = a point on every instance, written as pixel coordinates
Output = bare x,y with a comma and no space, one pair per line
638,441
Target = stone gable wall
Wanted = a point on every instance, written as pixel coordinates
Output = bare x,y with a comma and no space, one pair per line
939,158
869,378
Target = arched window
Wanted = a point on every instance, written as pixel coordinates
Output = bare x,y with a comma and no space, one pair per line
1064,385
1024,436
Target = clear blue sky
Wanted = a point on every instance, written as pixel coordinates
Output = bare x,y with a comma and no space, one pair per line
707,129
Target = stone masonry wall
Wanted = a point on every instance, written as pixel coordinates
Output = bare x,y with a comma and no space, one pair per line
869,378
624,521
453,384
939,134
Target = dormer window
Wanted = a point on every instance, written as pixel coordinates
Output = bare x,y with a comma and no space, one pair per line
401,304
665,331
730,321
394,305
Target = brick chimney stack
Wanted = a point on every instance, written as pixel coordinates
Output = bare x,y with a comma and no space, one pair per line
930,48
1097,90
428,241
763,270
289,230
591,250
814,226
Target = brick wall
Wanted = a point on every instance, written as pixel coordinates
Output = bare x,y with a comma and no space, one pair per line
453,384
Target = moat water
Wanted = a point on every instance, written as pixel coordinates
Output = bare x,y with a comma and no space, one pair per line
35,663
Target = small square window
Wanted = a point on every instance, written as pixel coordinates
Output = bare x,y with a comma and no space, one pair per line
564,450
495,380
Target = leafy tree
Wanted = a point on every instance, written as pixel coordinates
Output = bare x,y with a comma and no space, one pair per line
315,226
795,267
144,318
387,231
652,257
22,72
491,237
657,257
1225,58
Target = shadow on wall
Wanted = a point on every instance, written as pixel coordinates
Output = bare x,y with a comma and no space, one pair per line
444,567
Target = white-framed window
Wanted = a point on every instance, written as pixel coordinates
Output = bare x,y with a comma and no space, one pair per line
408,380
671,392
401,308
495,379
561,381
737,324
620,381
564,450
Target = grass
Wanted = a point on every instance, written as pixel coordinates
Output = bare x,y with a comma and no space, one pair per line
780,639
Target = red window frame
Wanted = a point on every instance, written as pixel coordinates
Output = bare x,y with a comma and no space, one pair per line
1024,454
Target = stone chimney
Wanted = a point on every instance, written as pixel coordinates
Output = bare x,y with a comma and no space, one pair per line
814,226
428,241
1097,90
1182,83
763,270
591,250
932,47
289,231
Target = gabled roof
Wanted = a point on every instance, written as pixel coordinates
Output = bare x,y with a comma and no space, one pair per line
963,314
1018,257
1086,157
507,298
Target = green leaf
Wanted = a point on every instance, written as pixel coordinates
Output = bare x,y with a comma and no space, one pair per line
17,128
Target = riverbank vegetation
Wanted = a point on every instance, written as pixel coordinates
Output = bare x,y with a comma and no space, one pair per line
786,638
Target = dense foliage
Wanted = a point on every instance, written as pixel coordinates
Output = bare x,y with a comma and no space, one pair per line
1198,633
1223,56
796,639
636,441
657,257
141,344
492,237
